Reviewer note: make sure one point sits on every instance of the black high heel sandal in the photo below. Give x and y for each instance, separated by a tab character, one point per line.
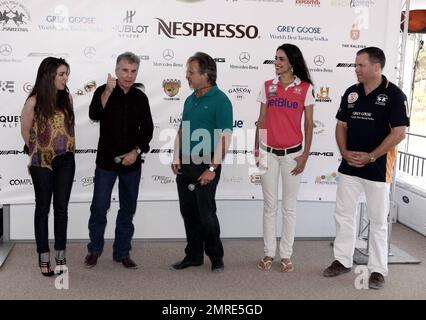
60	263
45	266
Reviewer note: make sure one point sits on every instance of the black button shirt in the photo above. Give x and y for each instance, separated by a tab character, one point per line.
125	123
369	119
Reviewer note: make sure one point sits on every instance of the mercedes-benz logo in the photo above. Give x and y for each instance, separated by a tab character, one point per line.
5	49
244	57
89	52
319	60
168	54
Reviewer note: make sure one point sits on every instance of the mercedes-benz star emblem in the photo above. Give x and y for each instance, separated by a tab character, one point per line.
5	49
89	52
244	57
168	54
319	60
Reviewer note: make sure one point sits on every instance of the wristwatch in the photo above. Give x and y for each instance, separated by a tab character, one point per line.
372	158
138	150
212	169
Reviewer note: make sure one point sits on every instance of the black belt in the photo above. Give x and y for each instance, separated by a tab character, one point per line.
282	152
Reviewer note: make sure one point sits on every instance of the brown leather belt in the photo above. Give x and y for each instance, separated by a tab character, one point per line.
281	152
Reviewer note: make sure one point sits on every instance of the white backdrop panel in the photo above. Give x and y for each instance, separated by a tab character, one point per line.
90	36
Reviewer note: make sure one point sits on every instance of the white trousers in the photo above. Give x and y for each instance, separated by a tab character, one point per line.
377	198
277	166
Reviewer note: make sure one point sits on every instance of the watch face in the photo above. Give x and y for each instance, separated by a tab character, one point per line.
211	169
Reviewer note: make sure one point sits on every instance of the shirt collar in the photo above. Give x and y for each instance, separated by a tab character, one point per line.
383	85
212	91
296	81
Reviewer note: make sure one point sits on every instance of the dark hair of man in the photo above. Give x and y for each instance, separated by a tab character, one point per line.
48	98
296	60
130	57
206	65
375	55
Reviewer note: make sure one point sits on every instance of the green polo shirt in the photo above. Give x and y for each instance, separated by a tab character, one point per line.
203	119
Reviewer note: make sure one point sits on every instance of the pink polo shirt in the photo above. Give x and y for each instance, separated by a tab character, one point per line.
284	110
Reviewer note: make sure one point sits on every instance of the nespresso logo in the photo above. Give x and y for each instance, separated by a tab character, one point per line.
173	29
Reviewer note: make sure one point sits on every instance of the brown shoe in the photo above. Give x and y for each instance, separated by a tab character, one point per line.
376	281
91	260
335	269
129	263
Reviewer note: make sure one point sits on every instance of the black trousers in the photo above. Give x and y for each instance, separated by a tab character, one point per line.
198	209
57	182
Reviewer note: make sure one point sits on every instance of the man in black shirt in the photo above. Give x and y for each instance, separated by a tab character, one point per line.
125	132
371	122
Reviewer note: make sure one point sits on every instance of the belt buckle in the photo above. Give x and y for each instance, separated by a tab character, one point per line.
279	152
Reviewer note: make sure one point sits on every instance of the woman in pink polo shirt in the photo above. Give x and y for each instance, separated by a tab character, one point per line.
279	149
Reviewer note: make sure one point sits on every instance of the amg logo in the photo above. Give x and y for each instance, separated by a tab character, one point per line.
7	152
219	60
346	65
268	62
162	151
85	150
322	154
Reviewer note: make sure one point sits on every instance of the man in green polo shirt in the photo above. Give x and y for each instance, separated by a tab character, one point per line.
200	146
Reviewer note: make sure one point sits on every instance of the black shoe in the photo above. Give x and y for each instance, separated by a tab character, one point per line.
376	281
44	264
61	264
335	269
217	266
45	269
128	263
91	260
185	263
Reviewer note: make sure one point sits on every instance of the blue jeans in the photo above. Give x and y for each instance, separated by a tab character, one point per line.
128	189
57	182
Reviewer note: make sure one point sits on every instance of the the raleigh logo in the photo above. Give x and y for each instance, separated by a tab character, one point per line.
219	30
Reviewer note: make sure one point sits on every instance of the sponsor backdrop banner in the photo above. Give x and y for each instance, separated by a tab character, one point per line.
242	35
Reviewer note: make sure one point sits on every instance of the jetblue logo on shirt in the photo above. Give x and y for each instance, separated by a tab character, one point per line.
381	100
280	102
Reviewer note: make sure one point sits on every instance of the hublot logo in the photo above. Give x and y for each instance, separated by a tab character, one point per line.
128	29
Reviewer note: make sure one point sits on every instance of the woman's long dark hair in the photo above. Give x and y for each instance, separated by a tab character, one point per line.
48	98
295	57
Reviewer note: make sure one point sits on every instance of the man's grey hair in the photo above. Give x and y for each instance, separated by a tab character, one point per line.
129	57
